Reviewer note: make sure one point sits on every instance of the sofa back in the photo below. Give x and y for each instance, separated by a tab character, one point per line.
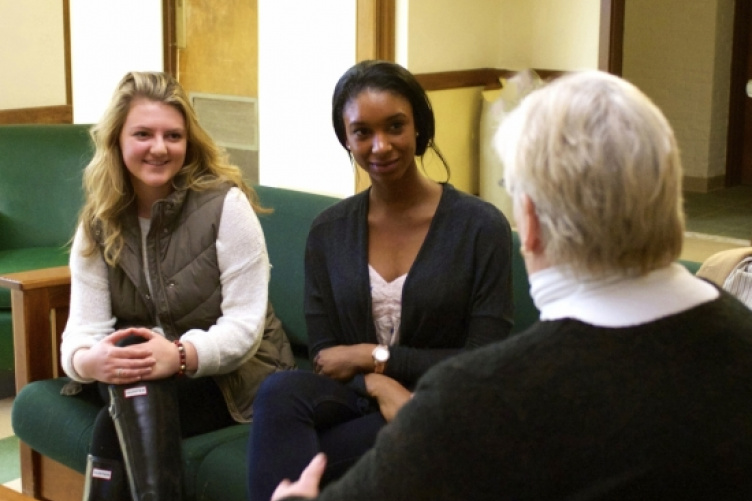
286	231
40	183
525	312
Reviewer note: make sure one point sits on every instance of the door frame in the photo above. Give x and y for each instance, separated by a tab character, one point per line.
169	37
740	54
611	36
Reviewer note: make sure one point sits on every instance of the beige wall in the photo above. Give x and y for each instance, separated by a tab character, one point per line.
679	53
32	56
549	34
445	35
457	115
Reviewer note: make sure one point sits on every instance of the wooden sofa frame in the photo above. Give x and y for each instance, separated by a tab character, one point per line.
39	302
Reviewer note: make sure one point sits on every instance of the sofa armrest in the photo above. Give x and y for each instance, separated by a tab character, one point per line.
39	303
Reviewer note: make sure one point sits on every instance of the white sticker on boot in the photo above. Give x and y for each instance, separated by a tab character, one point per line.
136	391
101	474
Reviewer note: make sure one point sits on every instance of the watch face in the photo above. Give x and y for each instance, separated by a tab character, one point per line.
381	354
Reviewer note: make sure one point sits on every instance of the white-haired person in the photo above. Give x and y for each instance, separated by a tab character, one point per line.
634	384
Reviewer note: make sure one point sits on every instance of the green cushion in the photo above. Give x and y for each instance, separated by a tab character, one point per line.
55	425
197	449
692	266
223	474
14	260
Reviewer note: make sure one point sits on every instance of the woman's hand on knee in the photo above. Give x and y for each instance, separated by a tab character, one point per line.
167	356
107	362
343	362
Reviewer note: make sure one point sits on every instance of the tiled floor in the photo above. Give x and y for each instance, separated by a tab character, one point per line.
715	221
725	213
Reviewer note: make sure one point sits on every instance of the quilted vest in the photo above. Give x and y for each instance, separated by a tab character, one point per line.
182	262
184	271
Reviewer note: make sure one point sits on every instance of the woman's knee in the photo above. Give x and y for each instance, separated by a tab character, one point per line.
282	388
296	392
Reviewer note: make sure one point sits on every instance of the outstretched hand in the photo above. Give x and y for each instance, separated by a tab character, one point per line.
307	486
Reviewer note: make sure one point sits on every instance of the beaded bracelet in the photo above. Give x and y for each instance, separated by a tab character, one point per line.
181	352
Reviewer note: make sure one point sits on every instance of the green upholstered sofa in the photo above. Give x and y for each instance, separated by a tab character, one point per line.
55	430
40	194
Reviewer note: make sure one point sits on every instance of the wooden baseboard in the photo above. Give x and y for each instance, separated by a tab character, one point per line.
487	78
696	184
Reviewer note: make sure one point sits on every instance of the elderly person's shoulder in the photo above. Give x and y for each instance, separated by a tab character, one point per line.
513	355
552	348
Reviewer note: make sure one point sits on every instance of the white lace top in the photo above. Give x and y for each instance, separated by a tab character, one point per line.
386	306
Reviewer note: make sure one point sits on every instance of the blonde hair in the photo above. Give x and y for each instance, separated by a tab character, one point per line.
107	186
600	163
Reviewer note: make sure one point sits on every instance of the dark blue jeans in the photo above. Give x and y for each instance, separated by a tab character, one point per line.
297	414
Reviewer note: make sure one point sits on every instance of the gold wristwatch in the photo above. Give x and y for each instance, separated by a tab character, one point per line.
380	357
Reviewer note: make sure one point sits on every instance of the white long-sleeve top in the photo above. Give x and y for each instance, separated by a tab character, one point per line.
244	277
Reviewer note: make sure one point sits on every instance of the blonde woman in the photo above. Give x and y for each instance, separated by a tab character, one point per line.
169	301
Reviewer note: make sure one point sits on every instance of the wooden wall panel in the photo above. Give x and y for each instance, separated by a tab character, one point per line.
62	114
221	52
